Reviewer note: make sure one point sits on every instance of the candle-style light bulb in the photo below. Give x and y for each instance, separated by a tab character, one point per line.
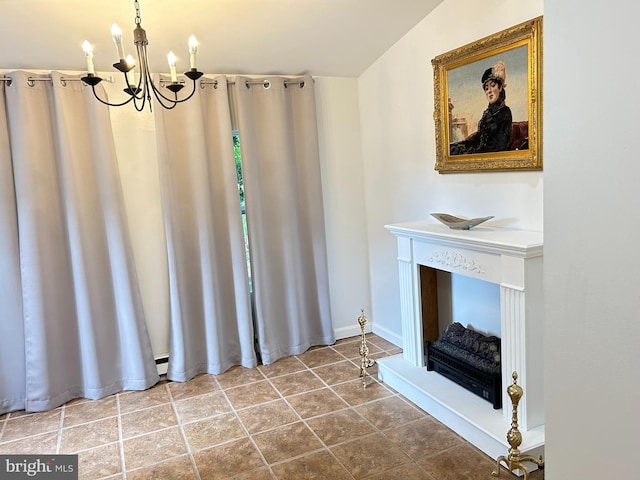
88	53
131	76
172	65
193	48
116	34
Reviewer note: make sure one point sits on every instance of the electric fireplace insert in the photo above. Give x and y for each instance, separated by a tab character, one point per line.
470	359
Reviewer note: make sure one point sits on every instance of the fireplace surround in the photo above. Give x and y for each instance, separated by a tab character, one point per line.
513	260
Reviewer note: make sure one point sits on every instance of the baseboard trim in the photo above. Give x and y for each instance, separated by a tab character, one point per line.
350	331
388	335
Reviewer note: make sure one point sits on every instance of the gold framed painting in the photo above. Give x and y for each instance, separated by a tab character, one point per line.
488	103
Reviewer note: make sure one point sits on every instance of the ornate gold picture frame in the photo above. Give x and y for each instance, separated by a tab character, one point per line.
488	103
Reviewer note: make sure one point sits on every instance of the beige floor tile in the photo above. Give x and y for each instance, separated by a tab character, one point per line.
237	375
228	460
20	413
198	385
79	400
208	405
338	372
368	455
317	402
390	412
99	462
153	448
89	435
282	367
372	369
36	444
339	427
213	431
423	437
354	393
319	465
352	350
320	356
346	340
286	442
267	416
408	471
148	420
245	424
252	394
132	401
461	462
381	343
89	410
179	468
33	424
259	474
295	383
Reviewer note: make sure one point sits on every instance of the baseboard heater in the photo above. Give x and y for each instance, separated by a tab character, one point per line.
162	364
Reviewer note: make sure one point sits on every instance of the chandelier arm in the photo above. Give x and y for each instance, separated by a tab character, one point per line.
162	99
93	88
133	90
141	106
172	101
140	102
193	90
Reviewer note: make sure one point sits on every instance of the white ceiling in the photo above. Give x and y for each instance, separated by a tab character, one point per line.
292	37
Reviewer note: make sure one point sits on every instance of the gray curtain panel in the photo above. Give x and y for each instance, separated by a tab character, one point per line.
12	361
74	314
211	324
285	216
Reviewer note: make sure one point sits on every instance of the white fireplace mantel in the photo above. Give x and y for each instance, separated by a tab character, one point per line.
510	258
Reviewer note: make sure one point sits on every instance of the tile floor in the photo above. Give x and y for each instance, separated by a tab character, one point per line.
303	417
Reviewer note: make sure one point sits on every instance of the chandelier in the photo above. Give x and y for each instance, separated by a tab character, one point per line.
139	92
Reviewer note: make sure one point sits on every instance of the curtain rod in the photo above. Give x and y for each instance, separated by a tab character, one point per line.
47	78
110	79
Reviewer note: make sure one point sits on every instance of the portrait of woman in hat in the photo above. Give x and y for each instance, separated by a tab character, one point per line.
494	127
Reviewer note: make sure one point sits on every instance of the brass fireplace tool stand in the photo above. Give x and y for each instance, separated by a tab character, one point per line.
364	350
514	460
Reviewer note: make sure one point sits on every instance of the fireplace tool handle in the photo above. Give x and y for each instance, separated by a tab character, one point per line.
514	460
364	350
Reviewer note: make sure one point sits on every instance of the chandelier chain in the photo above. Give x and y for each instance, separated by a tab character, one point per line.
137	7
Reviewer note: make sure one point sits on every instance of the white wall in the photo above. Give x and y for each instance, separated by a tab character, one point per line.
591	200
341	157
343	190
398	135
591	261
134	134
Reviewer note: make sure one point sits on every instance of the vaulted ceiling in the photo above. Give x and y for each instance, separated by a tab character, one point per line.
316	37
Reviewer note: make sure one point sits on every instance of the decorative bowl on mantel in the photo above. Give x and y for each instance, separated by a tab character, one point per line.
457	223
